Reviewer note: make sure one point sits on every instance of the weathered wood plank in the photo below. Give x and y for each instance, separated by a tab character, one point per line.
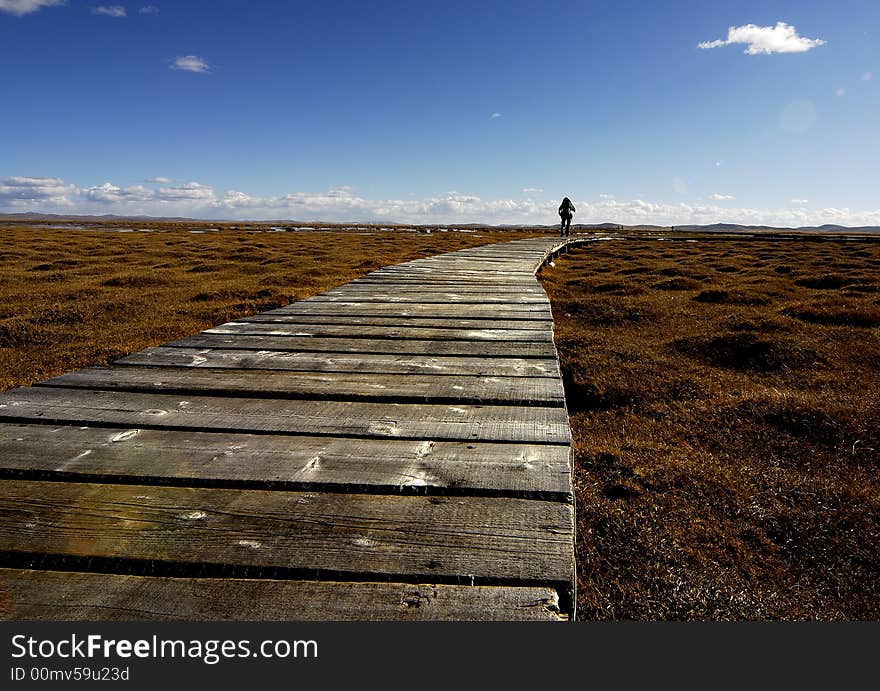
421	421
479	540
477	324
29	595
344	362
449	282
348	386
499	278
459	269
500	312
376	346
425	298
410	289
257	461
533	331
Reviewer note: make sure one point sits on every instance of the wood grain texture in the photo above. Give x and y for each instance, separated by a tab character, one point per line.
321	535
367	309
446	331
348	386
354	289
429	298
375	346
264	461
344	362
421	421
397	323
28	595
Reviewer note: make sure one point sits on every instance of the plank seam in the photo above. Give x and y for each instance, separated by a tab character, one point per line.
169	568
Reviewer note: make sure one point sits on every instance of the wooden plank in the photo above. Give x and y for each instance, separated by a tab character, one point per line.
531	331
260	461
531	287
498	251
308	535
516	261
349	386
434	289
425	274
312	344
421	421
343	362
430	298
29	595
450	282
461	269
434	323
475	265
500	312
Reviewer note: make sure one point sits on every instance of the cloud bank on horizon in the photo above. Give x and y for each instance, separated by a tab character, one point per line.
341	204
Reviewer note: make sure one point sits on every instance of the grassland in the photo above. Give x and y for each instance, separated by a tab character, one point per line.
70	298
725	405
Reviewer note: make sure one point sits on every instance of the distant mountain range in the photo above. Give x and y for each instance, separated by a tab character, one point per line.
712	228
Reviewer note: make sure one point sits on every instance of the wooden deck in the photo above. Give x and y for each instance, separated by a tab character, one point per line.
395	448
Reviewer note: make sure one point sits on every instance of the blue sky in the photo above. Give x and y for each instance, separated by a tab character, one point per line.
443	111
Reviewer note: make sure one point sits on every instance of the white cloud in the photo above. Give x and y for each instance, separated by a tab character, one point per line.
30	191
110	193
782	38
22	7
606	196
159	180
234	199
495	116
721	197
800	201
109	10
187	192
191	63
867	76
198	200
532	190
840	92
148	9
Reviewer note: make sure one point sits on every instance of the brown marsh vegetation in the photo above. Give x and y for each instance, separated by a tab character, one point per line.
70	298
725	405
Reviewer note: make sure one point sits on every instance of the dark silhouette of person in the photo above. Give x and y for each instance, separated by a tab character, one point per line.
566	211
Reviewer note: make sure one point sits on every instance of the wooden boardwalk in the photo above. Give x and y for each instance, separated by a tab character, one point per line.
395	448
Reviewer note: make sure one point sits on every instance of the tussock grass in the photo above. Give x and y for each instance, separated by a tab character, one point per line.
727	442
836	312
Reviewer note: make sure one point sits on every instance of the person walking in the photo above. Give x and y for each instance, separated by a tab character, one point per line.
566	211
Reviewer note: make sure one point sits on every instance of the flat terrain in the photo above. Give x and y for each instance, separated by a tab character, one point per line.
724	393
71	298
725	406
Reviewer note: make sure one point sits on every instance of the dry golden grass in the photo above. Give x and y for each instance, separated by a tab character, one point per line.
69	299
725	404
